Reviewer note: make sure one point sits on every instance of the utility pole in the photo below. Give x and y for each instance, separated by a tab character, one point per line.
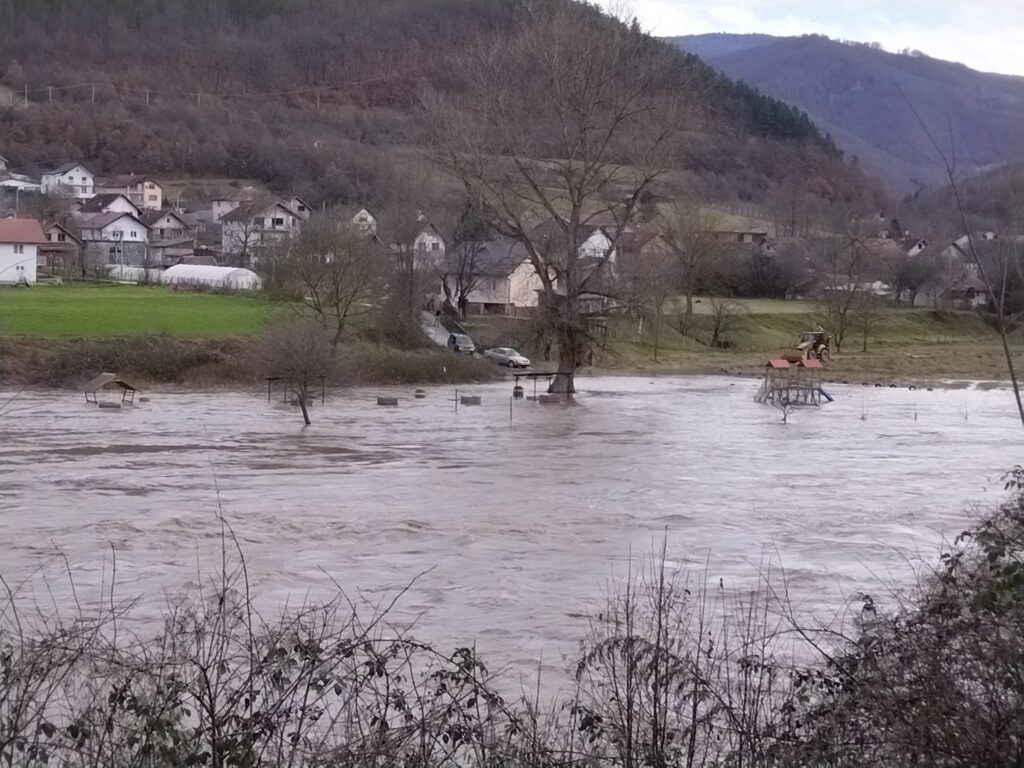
318	101
26	94
94	93
49	91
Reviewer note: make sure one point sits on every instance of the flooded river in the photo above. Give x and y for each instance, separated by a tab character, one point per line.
513	528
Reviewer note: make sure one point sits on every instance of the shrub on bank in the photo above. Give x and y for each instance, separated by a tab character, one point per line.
201	363
366	364
673	671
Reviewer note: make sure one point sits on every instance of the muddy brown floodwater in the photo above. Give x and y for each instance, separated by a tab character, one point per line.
515	528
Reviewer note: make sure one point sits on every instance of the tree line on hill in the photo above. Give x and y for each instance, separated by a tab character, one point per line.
322	98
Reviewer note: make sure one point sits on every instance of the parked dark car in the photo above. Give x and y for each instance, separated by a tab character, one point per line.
461	344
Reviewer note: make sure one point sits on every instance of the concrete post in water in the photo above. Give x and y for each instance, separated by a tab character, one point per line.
388	401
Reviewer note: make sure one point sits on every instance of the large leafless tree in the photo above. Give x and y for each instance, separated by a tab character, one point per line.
697	244
995	274
572	119
330	271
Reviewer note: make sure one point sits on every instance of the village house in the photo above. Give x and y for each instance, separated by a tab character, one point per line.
19	182
3	165
300	206
62	253
953	289
641	248
171	237
596	241
255	226
71	180
113	238
429	242
210	211
10	98
504	281
19	250
107	202
364	222
166	225
143	191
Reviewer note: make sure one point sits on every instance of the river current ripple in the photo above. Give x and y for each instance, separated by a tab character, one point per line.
511	531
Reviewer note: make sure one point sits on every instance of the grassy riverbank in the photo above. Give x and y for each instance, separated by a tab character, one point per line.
904	345
55	334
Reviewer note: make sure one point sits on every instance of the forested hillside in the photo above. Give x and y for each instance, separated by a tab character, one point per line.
863	95
321	96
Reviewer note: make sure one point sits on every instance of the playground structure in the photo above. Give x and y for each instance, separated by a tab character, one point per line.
813	345
789	384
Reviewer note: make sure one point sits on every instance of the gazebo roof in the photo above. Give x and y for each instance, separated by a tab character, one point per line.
104	379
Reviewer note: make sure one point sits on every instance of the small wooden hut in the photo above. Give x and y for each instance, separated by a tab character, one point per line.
108	381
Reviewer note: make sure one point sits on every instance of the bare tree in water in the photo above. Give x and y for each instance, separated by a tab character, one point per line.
302	356
573	119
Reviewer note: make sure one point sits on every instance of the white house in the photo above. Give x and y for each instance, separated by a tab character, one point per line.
71	179
599	245
502	278
251	227
143	191
108	202
19	250
3	165
300	206
166	225
112	238
221	207
365	222
113	227
429	242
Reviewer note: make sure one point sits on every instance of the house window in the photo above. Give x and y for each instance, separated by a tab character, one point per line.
152	198
61	237
118	234
435	246
277	222
131	234
19	250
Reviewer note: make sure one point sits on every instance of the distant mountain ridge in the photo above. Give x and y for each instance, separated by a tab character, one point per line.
860	93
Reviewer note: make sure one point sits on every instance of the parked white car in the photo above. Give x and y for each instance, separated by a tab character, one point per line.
507	356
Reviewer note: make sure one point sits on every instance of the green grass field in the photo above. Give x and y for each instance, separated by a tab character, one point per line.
88	311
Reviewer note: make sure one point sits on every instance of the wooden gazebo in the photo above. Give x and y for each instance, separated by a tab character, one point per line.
111	381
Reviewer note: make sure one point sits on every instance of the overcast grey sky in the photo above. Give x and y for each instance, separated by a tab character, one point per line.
983	34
